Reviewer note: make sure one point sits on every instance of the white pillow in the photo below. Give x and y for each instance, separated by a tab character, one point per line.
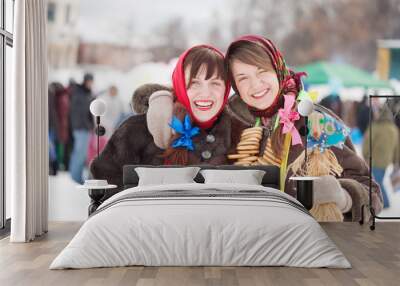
248	177
166	176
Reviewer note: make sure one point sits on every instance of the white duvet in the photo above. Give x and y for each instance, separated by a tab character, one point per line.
183	231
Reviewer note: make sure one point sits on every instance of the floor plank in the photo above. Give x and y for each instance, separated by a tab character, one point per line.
374	255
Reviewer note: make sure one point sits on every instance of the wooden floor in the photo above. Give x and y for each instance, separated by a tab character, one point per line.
375	257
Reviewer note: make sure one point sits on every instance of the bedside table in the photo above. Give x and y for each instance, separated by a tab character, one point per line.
96	193
305	192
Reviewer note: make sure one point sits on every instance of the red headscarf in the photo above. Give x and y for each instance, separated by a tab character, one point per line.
289	81
179	84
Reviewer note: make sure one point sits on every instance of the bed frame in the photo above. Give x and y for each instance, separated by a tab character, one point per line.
270	179
131	179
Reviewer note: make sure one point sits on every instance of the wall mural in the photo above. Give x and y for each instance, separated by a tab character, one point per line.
195	122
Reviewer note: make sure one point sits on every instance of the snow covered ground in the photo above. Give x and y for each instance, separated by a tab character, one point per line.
66	201
394	197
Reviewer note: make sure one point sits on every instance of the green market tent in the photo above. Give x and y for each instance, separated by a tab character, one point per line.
320	73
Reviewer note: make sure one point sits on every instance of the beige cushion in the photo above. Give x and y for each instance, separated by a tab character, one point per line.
166	176
248	177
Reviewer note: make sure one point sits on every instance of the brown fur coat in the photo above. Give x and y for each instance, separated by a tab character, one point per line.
355	176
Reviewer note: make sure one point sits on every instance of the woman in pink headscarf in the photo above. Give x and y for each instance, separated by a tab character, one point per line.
266	98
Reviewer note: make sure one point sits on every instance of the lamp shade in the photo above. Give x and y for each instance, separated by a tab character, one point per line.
98	107
305	107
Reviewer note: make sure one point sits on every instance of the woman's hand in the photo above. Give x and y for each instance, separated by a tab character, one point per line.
159	115
327	189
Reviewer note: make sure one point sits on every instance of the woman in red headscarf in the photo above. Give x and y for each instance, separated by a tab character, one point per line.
266	99
200	89
199	130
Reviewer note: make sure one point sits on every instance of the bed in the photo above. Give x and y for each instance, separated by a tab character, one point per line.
201	224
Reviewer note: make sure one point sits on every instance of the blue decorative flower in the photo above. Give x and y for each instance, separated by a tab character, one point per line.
186	130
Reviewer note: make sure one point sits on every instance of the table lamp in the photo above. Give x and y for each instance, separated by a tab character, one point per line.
98	108
304	185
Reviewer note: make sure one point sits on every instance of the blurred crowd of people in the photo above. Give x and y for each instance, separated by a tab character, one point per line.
72	141
385	134
384	131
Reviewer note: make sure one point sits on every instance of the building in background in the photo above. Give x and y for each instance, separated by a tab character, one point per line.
63	33
67	50
122	58
388	59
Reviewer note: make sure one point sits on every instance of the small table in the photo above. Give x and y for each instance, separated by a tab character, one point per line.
305	192
96	193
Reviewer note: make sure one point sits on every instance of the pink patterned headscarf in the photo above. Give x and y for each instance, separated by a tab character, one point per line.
289	86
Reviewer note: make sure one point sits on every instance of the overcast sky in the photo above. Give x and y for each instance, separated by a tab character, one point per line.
106	20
